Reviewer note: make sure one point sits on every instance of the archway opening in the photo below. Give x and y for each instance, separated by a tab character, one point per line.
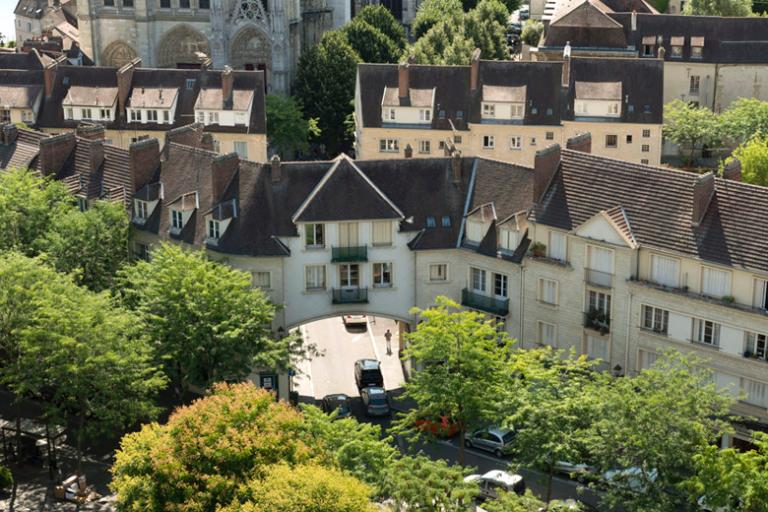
117	54
251	49
182	47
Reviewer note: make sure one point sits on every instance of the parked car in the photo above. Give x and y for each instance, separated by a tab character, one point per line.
375	401
569	505
495	440
368	373
355	321
442	427
494	481
631	477
337	402
574	470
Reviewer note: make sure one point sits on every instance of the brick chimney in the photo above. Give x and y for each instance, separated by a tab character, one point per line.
124	80
565	79
404	78
703	191
732	170
545	165
275	169
10	133
206	142
54	151
456	166
223	169
144	160
96	152
581	142
474	70
188	135
90	131
49	78
227	82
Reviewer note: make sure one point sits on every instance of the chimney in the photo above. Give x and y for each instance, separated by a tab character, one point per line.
732	170
54	151
144	159
188	135
124	80
448	147
274	171
90	131
545	166
565	80
408	151
96	151
456	166
206	142
403	78
49	78
10	133
703	190
634	20
474	71
223	169
581	142
227	81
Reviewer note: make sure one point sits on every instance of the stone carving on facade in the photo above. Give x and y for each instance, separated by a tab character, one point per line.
182	45
117	54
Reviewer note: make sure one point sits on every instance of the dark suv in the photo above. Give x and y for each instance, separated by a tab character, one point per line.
368	373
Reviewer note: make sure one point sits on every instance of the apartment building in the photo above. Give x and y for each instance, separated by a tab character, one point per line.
507	110
616	260
134	103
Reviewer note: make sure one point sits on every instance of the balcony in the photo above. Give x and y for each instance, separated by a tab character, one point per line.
498	307
597	321
349	254
598	278
350	295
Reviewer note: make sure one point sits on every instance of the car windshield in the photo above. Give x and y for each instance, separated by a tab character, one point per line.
507	438
378	400
343	407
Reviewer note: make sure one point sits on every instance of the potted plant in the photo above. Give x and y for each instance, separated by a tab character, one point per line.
538	249
728	299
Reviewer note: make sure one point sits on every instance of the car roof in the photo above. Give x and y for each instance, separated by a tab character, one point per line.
502	477
368	364
336	396
501	432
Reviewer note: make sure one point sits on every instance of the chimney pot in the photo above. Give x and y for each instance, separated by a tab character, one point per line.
90	131
275	171
474	72
10	133
54	151
732	170
227	83
703	190
456	166
545	165
565	79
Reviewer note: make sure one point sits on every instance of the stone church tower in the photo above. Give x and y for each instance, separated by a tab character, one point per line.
245	34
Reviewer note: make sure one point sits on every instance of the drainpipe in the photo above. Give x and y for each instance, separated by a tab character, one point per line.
629	326
714	87
522	308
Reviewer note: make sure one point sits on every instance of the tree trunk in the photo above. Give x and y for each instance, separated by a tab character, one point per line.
462	439
80	428
550	476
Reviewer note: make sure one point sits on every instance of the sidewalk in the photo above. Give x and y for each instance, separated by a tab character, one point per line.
391	368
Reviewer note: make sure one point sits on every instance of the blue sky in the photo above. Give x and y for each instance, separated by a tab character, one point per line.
6	18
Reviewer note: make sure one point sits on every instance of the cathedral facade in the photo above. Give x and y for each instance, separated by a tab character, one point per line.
268	35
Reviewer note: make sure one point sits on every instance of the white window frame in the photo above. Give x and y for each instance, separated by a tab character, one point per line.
177	219
759	396
141	209
699	334
557	252
389	114
757	344
166	116
385	268
760	293
599	300
489	142
694	85
483	275
321	275
213	230
425	114
378	228
489	110
241	148
434	272
660	266
135	115
151	116
311	230
654	319
500	283
256	276
546	288
518	110
389	146
86	113
213	118
425	147
516	143
603	341
69	113
707	286
542	331
509	239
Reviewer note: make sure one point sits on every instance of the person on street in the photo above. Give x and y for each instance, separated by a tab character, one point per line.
388	337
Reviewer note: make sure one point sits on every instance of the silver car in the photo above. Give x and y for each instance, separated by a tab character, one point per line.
495	440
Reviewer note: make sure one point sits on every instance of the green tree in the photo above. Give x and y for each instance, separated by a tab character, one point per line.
91	245
28	206
381	17
86	357
744	119
446	43
718	8
532	31
690	126
511	502
371	43
461	358
486	25
553	407
207	451
325	86
287	129
430	12
303	488
656	422
730	479
210	324
510	5
419	483
753	156
6	478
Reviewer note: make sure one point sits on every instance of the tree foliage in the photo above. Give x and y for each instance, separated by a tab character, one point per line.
445	44
690	126
325	86
371	43
753	156
718	8
532	31
209	322
744	119
287	129
431	12
380	17
512	502
486	26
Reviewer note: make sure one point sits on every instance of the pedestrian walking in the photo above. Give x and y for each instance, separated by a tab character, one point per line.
388	337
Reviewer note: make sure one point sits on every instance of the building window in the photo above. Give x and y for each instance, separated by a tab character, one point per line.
5	115
646	148
695	80
213	229
655	319
136	115
348	234
629	139
518	111
547	334
677	52
509	239
760	293
382	232
556	249
600	259
86	113
611	141
696	52
349	275
644	161
456	139
165	4
599	302
515	142
166	116
184	4
204	4
141	251
446	221
756	392
106	113
715	283
431	222
755	345
107	3
140	210
646	133
201	117
533	141
213	118
438	272
190	83
665	271
477	278
389	114
314	235
127	3
424	147
425	115
647	359
489	110
388	146
488	142
382	275
550	135
82	203
177	219
501	285
548	291
151	116
315	275
241	148
705	332
69	114
261	280
598	348
648	50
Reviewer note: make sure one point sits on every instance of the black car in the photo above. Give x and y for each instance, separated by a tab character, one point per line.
337	402
368	373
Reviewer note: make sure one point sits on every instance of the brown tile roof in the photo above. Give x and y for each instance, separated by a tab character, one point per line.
154	97
213	99
90	96
503	94
598	90
416	97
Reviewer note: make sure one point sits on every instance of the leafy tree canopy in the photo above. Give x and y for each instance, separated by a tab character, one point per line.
486	26
532	31
446	43
753	156
287	129
371	43
690	126
430	12
381	18
718	8
744	119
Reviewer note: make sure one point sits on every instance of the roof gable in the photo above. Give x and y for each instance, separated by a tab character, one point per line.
363	199
611	226
589	13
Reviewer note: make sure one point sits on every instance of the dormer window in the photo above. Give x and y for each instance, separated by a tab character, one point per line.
489	110
214	230
106	114
598	99
151	116
509	239
649	46
218	219
676	45
140	210
213	118
135	116
82	203
697	46
177	221
389	114
425	115
696	52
